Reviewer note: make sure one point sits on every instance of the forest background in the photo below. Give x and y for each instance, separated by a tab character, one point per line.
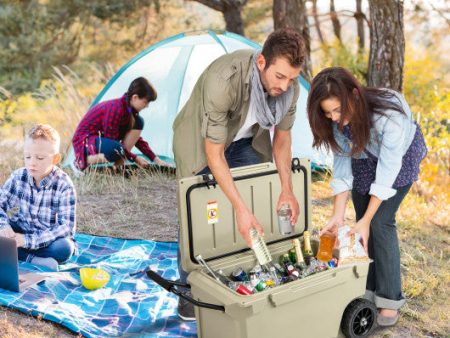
55	57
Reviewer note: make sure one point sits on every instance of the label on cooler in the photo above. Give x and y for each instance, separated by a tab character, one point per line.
212	211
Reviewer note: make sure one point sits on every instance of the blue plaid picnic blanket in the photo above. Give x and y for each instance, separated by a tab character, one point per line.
129	305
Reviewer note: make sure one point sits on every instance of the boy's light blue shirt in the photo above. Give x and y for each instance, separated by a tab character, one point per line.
44	213
390	138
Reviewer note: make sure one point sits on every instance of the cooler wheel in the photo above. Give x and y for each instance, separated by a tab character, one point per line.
359	318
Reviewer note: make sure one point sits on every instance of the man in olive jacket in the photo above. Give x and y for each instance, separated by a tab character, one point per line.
227	120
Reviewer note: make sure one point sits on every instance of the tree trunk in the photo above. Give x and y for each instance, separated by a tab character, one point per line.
231	11
387	44
292	13
233	18
359	16
335	21
317	22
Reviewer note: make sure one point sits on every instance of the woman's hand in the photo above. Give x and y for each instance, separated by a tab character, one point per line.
333	224
363	225
142	162
363	228
160	162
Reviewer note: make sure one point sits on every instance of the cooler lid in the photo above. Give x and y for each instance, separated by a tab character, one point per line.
207	219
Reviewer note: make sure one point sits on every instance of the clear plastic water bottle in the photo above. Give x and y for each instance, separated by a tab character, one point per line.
284	220
259	247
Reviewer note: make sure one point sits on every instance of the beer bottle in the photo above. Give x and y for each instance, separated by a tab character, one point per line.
292	256
307	252
300	263
217	275
284	258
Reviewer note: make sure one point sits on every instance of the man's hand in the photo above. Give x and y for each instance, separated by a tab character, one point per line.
245	221
289	198
142	162
7	231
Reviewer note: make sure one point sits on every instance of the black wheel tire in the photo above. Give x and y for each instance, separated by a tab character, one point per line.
359	319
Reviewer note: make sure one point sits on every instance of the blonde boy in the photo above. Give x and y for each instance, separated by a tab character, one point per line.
37	202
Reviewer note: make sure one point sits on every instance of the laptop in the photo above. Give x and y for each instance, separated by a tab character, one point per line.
11	277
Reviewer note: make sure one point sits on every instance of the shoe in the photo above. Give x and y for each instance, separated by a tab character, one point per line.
186	309
386	321
76	171
47	262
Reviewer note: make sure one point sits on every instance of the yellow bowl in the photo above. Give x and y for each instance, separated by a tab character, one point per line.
93	278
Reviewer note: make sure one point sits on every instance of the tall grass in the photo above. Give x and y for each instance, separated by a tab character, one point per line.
60	102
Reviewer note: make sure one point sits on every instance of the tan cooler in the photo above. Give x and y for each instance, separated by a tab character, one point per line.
310	307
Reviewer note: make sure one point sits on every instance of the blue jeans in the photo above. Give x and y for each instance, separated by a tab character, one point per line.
60	249
238	154
113	149
383	285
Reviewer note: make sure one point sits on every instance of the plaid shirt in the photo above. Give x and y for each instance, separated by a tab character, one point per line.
106	119
43	213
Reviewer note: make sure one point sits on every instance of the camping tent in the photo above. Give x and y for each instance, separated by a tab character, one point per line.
173	66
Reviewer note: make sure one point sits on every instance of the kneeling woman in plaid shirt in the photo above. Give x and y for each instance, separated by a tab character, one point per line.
37	203
110	129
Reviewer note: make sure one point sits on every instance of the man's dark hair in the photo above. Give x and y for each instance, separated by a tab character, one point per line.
286	43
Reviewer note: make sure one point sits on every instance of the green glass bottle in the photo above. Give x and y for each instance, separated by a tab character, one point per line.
307	251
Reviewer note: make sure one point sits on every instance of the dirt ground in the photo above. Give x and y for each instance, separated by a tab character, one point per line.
143	206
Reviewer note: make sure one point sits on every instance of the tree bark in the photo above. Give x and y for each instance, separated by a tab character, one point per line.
292	13
359	16
231	11
387	44
317	22
335	21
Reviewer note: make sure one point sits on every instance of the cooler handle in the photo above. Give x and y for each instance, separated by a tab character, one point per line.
296	292
171	286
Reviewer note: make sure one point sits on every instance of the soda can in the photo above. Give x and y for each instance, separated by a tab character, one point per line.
257	269
333	263
261	286
270	283
292	271
240	275
243	290
284	279
254	279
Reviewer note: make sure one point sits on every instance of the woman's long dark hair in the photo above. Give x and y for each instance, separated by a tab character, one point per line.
143	89
358	105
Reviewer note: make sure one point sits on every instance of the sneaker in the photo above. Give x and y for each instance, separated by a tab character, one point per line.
185	309
386	321
76	171
47	262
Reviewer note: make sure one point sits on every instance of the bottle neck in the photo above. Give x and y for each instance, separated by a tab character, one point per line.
307	241
298	251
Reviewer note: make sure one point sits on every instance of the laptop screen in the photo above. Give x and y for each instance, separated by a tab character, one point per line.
9	272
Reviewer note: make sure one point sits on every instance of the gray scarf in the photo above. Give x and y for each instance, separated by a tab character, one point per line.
269	110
